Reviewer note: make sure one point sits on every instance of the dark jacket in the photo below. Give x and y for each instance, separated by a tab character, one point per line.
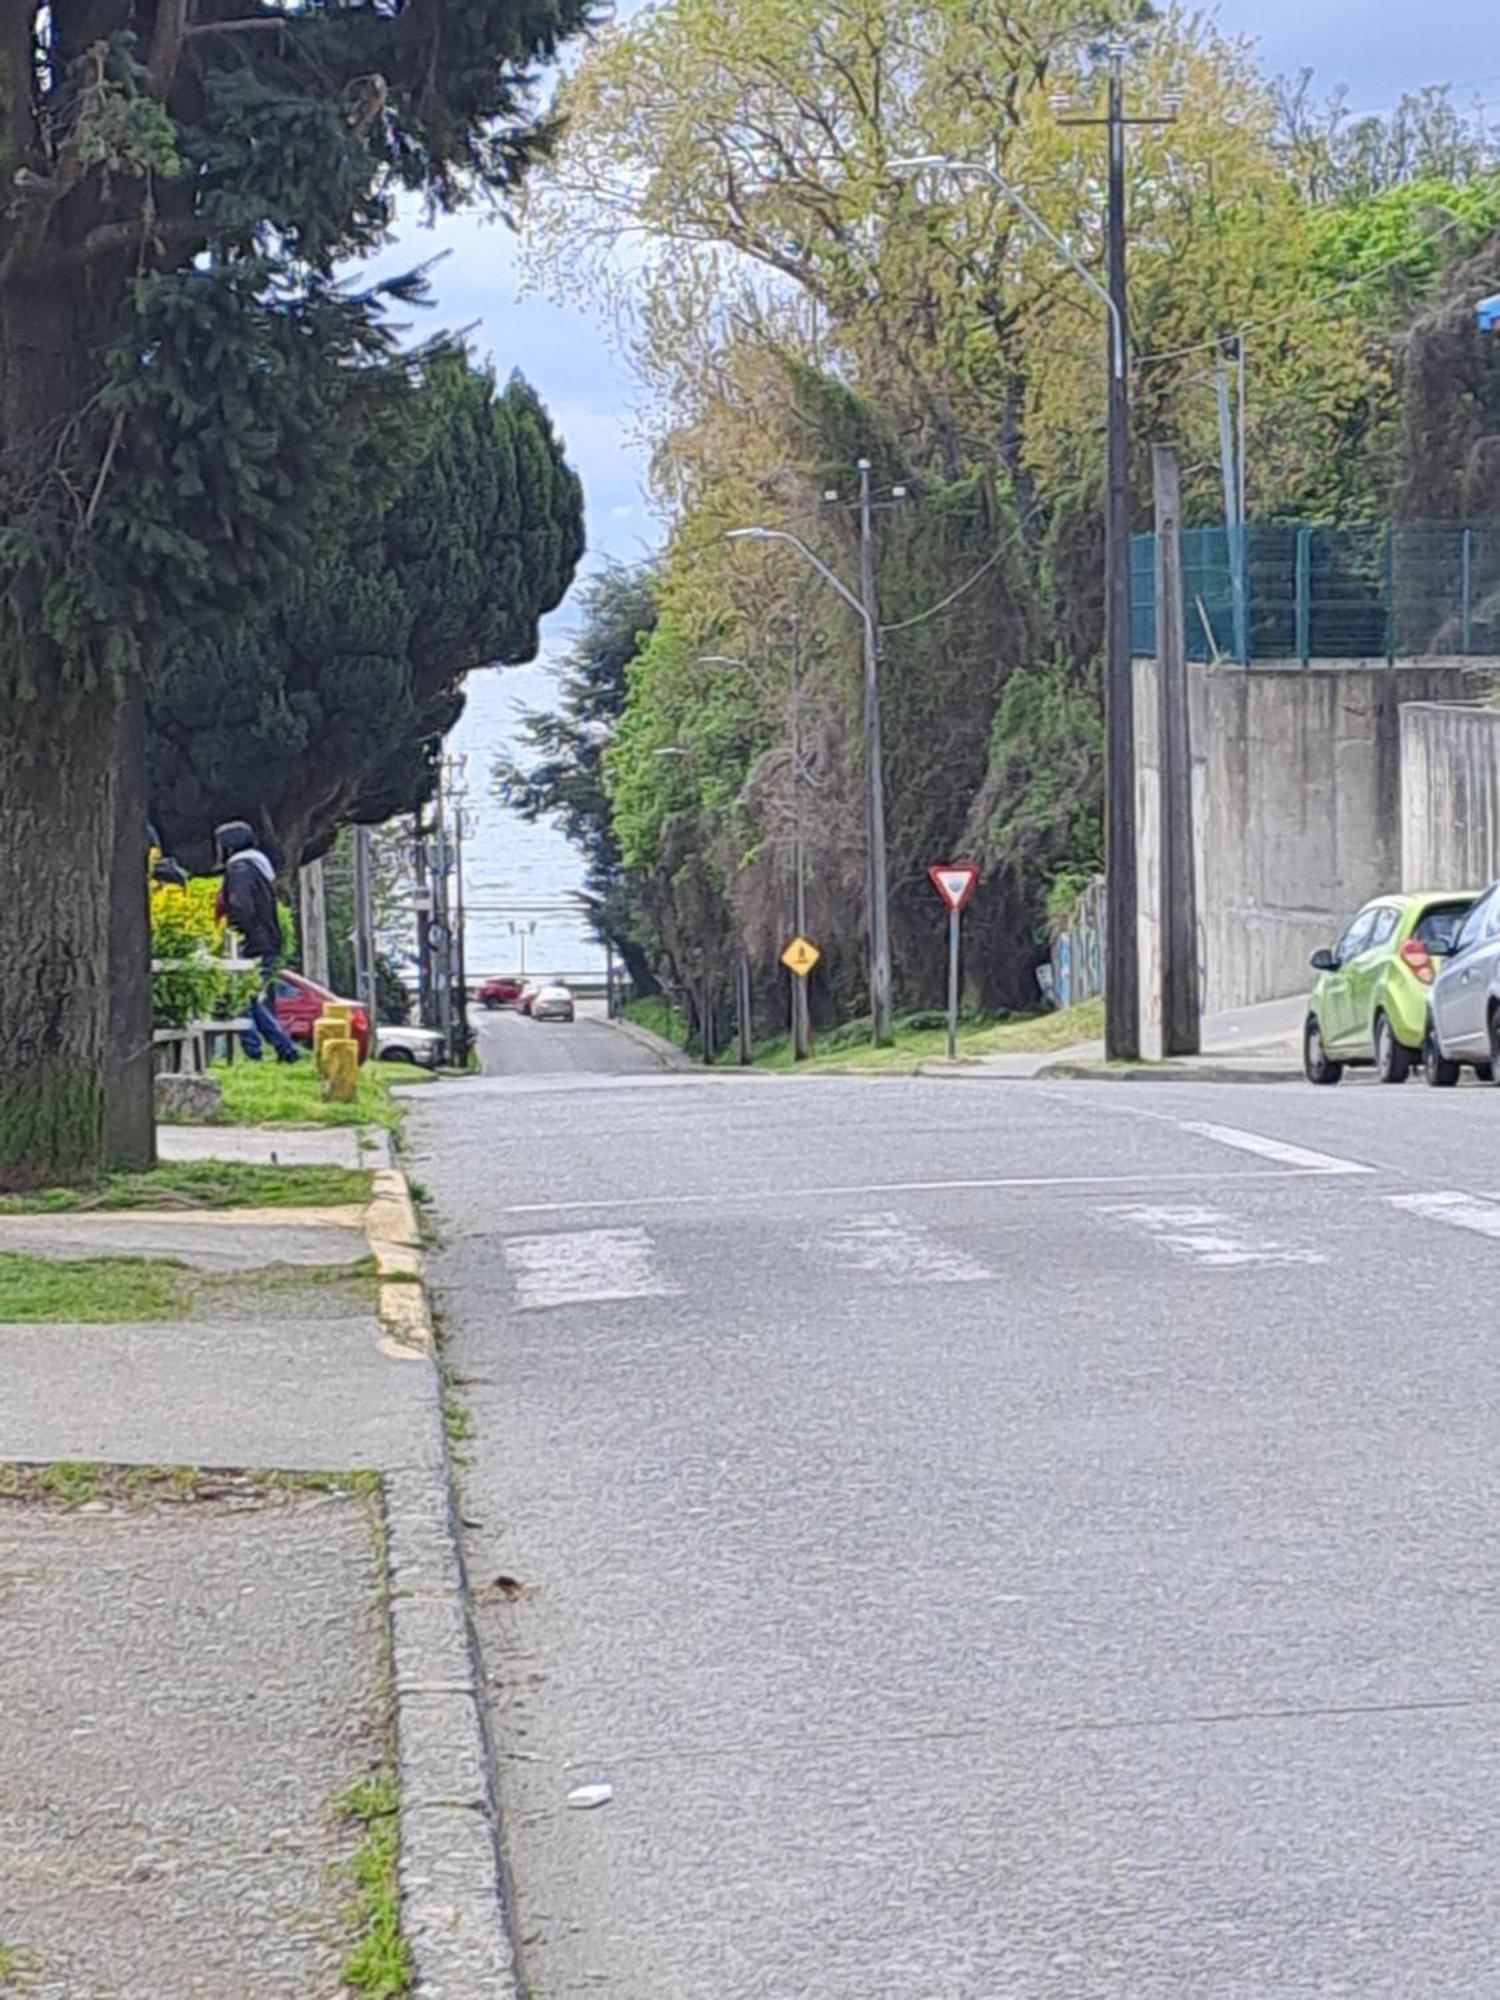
249	903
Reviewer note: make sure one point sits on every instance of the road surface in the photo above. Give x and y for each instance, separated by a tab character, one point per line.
997	1540
511	1045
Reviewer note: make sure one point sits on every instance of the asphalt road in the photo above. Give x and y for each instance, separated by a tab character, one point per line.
511	1045
997	1539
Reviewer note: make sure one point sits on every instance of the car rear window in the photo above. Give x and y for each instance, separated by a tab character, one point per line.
1439	927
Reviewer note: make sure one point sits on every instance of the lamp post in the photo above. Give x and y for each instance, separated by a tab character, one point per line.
1122	977
862	605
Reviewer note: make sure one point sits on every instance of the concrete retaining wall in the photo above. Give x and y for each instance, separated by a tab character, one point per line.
1297	809
1450	796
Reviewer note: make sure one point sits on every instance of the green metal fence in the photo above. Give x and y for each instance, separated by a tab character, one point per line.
1289	591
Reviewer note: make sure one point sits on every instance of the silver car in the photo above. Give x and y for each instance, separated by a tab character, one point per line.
553	1003
1463	1013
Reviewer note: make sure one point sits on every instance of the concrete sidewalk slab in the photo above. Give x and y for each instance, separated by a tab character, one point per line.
276	1145
302	1395
206	1239
187	1690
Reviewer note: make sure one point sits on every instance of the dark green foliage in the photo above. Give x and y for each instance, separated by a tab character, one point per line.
328	707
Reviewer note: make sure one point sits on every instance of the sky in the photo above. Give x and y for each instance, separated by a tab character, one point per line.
1379	48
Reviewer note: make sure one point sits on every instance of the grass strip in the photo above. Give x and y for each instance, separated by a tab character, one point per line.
203	1184
91	1291
267	1093
378	1966
67	1483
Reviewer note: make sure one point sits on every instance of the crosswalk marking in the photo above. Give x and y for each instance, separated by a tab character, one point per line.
584	1267
1210	1237
1463	1211
887	1246
1273	1149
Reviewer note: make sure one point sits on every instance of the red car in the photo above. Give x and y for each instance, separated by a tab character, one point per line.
299	1002
499	993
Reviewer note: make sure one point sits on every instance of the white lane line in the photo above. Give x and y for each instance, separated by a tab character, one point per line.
738	1197
1463	1211
1274	1149
1209	1237
583	1267
900	1252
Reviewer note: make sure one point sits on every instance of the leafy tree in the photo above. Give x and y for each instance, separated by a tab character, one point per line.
564	777
184	391
327	708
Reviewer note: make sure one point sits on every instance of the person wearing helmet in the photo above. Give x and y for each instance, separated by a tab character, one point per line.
247	903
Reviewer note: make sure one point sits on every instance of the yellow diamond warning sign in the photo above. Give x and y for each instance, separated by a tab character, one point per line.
800	956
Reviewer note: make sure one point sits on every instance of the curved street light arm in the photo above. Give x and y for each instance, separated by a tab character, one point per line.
795	541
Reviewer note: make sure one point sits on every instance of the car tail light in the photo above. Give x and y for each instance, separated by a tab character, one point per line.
1419	959
359	1021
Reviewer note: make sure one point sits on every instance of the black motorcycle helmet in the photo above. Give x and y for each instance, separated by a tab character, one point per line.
232	838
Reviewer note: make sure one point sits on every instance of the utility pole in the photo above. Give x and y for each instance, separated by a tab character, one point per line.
800	1022
312	917
1177	924
364	924
462	829
426	1010
880	919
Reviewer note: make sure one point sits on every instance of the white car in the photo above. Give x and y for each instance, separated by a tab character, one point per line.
421	1046
552	1003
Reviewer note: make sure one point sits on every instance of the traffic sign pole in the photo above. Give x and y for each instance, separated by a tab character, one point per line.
952	984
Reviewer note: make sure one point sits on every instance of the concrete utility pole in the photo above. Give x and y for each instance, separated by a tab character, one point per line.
1178	920
313	921
364	924
880	910
801	1023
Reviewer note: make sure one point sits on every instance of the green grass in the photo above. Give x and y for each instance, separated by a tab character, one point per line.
69	1483
17	1965
267	1093
378	1966
203	1184
846	1049
91	1292
660	1016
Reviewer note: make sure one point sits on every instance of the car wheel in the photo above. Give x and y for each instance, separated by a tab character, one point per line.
1317	1065
492	1006
1392	1058
1493	1065
397	1056
1437	1069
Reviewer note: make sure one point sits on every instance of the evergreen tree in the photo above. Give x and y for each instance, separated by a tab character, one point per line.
185	390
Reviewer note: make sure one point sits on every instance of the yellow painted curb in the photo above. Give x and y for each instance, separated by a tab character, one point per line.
395	1240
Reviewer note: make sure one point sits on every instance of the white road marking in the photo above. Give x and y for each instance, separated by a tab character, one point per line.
583	1267
738	1197
889	1247
1210	1237
1274	1149
1463	1211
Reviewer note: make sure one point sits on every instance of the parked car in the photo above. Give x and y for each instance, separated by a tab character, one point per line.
1463	1008
499	993
552	1003
527	995
1370	1003
422	1046
300	1001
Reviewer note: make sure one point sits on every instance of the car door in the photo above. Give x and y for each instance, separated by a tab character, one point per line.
1337	1007
1363	974
1461	988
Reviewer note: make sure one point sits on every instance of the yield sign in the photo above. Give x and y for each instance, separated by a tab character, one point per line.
800	956
954	882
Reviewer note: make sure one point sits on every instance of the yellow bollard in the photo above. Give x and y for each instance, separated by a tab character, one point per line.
324	1032
338	1010
340	1069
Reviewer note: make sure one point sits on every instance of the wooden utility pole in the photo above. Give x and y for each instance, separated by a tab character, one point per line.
1178	920
313	915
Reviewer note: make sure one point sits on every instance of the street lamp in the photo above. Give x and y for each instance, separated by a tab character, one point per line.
862	605
1122	980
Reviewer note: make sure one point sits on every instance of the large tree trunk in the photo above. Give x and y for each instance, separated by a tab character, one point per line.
57	842
129	1080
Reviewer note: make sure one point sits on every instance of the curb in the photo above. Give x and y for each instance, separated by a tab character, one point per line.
1166	1072
454	1905
667	1053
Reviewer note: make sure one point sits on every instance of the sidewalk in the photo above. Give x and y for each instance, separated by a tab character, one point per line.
1260	1044
194	1670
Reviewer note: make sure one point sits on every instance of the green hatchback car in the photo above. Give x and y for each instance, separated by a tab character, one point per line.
1370	1002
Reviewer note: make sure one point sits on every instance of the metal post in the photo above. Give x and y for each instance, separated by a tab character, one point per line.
880	940
1233	507
1467	584
1390	593
441	932
609	980
364	924
1122	991
800	1022
1178	916
313	920
952	985
1303	637
464	1037
706	1018
426	1012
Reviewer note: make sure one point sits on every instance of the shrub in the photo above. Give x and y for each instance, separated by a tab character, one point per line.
186	937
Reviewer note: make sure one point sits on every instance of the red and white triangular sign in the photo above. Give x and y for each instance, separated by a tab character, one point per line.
954	882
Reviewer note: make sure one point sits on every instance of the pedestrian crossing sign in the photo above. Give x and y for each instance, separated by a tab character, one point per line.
800	956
